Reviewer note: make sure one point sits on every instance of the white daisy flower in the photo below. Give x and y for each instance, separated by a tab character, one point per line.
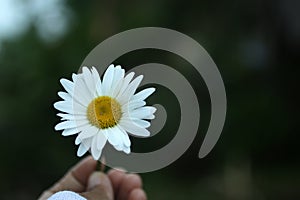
100	111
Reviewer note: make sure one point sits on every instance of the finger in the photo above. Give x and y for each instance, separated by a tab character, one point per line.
99	187
129	183
137	194
84	169
75	180
116	178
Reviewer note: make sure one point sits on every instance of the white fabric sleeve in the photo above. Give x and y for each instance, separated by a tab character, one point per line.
66	195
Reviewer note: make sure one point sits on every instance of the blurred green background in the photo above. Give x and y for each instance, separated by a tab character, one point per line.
254	43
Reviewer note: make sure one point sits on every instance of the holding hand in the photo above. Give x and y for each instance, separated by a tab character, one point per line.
94	185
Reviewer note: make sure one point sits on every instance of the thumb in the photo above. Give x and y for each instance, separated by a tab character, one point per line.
98	187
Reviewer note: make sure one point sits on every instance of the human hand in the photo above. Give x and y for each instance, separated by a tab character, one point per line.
94	185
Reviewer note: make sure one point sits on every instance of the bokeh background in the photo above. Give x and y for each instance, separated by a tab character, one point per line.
254	43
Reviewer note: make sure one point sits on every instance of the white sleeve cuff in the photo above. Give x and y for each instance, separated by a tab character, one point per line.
66	195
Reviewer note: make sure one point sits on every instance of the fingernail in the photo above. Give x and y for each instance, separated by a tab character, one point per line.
120	169
96	179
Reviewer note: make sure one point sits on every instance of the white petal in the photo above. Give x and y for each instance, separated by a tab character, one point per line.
82	100
141	123
71	124
71	116
68	85
97	82
130	90
77	140
66	116
130	127
119	73
70	131
65	96
88	131
149	117
61	106
95	75
125	137
125	83
74	77
104	132
101	140
81	92
65	125
107	79
82	149
122	148
143	112
96	153
119	147
68	107
81	123
99	88
117	89
89	81
142	95
118	77
114	136
131	105
126	150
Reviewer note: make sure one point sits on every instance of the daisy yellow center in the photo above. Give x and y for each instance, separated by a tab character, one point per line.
104	112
